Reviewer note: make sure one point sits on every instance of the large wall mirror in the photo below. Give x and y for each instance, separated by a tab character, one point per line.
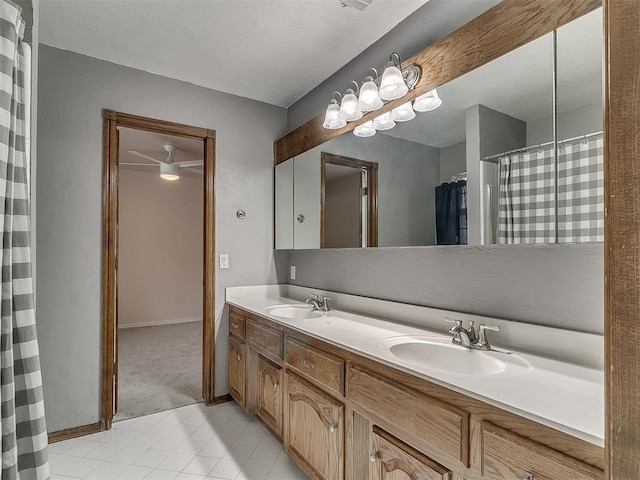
513	155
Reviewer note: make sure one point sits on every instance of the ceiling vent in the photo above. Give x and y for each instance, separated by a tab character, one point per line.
357	4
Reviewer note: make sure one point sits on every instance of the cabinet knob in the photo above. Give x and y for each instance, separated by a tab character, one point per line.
275	385
527	476
307	364
332	428
373	457
239	358
234	325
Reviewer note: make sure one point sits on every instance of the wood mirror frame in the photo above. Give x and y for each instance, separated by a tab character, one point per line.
503	28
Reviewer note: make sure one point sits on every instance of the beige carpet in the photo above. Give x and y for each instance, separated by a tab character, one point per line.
160	368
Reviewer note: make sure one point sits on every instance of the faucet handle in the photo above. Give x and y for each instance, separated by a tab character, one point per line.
315	296
483	343
457	323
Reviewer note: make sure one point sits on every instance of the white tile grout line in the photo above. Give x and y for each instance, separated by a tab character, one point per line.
187	443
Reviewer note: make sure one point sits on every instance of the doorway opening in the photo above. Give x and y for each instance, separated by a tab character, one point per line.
349	202
167	292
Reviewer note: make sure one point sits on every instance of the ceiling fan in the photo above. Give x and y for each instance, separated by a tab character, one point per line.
169	170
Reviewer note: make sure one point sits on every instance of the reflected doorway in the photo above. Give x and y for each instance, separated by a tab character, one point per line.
349	202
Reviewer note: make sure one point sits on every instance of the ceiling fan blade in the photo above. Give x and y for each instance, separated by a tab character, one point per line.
133	152
193	170
190	163
140	164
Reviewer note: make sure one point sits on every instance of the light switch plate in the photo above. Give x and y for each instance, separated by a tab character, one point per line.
293	272
224	261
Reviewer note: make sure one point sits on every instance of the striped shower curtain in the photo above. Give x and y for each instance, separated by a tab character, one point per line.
22	424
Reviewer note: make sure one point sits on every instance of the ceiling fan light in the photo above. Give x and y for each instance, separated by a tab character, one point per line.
331	120
384	122
369	99
169	172
349	108
365	130
392	84
403	113
427	102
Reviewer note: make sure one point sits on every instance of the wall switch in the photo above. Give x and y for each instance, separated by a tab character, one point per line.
293	272
224	261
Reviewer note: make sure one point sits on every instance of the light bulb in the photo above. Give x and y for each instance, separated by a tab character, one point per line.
349	108
403	113
369	98
384	122
331	120
427	102
365	130
392	84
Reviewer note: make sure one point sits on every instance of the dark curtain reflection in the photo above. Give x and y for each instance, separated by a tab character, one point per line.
451	213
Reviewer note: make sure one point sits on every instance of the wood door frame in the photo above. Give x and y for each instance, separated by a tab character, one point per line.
372	194
110	182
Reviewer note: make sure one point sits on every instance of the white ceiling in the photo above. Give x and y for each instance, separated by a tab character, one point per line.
274	51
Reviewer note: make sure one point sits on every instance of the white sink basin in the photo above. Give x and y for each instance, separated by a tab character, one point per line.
293	312
440	355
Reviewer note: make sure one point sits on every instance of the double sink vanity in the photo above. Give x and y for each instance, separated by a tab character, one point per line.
393	392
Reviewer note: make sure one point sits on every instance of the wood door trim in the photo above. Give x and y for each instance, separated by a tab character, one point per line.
110	179
622	238
372	194
74	432
508	25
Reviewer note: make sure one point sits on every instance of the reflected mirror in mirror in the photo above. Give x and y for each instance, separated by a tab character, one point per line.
479	169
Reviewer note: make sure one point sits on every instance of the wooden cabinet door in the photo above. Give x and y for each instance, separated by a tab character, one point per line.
394	460
315	429
270	393
237	365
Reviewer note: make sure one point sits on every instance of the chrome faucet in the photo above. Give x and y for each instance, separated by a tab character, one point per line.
468	338
319	302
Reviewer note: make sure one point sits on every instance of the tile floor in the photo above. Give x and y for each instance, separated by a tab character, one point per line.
189	443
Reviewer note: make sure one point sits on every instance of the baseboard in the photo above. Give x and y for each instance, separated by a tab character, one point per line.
160	322
221	399
74	432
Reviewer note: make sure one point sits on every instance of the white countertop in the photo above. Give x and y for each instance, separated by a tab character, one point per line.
565	396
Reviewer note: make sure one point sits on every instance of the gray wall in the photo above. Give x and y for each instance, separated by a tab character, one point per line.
73	90
547	284
453	160
554	285
571	123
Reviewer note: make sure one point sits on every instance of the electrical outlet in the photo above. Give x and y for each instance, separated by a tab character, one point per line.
224	261
293	272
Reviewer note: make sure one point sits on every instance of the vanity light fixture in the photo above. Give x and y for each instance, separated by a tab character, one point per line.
169	171
365	130
349	108
331	120
403	113
427	102
384	122
369	99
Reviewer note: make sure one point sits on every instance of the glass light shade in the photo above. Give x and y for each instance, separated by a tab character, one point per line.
349	108
365	130
384	122
427	102
369	98
392	84
403	113
331	120
169	171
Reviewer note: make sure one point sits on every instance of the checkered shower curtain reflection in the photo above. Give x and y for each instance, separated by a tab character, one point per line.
22	424
526	204
526	201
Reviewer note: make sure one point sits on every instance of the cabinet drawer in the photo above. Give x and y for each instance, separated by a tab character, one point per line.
428	422
320	366
236	325
264	339
508	456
